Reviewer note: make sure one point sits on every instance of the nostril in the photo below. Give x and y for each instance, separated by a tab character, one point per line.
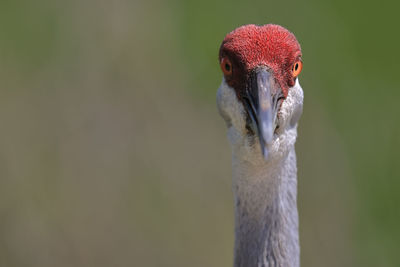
276	129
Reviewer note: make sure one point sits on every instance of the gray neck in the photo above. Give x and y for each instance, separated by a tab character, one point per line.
266	218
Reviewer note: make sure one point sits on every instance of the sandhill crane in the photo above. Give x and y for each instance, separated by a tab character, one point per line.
261	100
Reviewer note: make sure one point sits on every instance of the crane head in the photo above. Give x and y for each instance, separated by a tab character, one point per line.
260	65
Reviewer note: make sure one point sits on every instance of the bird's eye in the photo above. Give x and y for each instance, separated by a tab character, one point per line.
296	69
226	66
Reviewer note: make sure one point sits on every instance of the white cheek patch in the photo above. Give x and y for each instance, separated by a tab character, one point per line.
292	107
234	114
230	108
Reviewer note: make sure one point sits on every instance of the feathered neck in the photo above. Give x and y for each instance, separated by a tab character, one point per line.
266	218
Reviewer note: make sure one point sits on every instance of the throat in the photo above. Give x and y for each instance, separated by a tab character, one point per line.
266	218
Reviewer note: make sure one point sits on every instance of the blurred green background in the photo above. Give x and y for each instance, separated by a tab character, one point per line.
112	152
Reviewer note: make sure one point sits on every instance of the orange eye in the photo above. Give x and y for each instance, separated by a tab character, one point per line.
296	69
226	66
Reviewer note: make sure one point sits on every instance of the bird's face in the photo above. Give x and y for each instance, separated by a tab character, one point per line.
261	65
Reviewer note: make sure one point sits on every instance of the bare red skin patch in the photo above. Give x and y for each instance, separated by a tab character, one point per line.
250	46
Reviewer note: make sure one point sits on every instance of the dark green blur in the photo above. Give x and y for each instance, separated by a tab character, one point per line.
112	152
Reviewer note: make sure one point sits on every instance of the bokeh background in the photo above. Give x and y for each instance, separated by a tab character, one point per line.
112	152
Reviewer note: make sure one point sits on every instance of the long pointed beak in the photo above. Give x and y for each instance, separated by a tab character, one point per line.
263	94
